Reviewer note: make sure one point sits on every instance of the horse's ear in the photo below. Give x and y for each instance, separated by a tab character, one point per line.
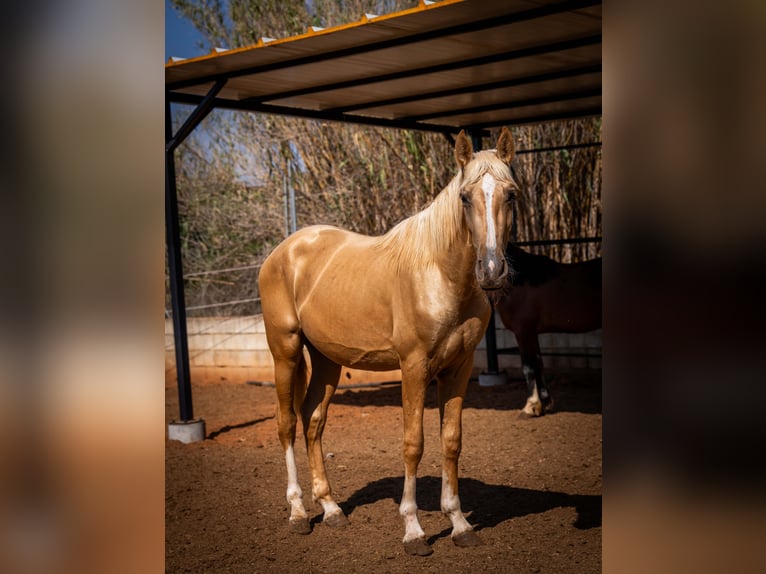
463	149
505	147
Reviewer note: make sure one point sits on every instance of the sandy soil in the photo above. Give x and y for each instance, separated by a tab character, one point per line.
531	488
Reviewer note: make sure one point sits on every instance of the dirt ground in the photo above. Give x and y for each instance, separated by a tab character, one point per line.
531	488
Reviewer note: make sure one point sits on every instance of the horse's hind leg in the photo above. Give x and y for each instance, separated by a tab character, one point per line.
325	376
290	375
545	397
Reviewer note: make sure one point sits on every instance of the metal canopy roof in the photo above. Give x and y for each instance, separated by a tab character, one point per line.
456	64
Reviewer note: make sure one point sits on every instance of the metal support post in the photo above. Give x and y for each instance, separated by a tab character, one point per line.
175	270
187	429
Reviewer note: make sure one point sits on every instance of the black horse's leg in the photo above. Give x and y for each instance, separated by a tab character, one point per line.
538	396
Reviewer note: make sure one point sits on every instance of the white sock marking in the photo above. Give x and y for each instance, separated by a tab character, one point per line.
294	493
409	511
450	503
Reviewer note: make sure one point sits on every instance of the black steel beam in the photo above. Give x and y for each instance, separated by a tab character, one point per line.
486	23
559	241
474	88
566	115
203	108
558	147
175	271
313	114
173	243
325	115
432	69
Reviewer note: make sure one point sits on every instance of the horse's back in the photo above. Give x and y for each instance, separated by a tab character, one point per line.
567	300
331	286
305	250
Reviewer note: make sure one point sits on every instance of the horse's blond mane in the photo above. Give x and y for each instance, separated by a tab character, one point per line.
418	240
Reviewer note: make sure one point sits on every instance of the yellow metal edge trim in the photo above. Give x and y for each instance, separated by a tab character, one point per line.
421	7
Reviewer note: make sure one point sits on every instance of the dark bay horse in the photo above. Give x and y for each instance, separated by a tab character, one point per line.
545	296
412	299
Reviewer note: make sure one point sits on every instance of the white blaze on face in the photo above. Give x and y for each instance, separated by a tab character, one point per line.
488	187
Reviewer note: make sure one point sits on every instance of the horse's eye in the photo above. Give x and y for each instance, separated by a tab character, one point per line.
511	197
465	199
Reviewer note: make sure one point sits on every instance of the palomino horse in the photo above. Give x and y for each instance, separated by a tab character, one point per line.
411	299
547	297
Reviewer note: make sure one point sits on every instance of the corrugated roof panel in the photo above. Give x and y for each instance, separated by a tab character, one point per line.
525	70
388	66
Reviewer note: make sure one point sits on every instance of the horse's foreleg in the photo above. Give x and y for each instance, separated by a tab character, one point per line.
290	375
532	367
452	387
324	380
413	400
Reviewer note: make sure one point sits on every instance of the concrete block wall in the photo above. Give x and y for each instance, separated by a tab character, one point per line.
235	349
576	343
223	348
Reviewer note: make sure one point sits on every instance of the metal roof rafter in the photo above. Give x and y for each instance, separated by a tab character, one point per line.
506	105
569	114
432	69
472	89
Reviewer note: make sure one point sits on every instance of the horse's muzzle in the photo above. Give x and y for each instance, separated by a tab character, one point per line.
491	271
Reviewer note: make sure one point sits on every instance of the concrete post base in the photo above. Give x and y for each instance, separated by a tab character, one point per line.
187	431
492	379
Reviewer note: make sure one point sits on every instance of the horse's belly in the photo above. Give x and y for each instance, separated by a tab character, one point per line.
356	340
569	322
358	358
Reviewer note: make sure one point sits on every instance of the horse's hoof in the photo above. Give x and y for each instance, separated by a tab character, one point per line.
418	547
525	415
337	520
467	538
300	525
549	406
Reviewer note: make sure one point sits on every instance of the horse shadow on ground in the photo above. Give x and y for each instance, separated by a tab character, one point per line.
486	505
229	428
576	392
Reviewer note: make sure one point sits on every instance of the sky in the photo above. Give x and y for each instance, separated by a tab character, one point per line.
181	38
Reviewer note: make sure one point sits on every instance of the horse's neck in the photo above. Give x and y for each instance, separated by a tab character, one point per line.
431	237
458	265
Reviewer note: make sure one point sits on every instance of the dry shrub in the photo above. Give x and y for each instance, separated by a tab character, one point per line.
235	170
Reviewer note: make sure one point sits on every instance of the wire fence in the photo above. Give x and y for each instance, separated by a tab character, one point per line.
221	295
257	299
212	347
224	304
219	271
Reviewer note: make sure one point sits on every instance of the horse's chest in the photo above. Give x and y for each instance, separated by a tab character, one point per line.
455	334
